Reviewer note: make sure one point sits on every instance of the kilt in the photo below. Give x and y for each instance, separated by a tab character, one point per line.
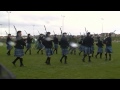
18	52
108	49
100	50
28	46
9	47
49	52
92	48
88	50
64	51
55	46
81	48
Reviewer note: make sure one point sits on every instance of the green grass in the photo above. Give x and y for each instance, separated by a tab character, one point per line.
35	67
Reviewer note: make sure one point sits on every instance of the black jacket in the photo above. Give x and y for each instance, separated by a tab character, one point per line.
64	43
99	43
55	40
29	40
88	41
108	41
81	41
8	40
40	40
20	43
47	44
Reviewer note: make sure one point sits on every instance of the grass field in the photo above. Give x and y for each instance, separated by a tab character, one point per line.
35	67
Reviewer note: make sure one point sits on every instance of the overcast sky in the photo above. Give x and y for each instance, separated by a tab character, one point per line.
71	21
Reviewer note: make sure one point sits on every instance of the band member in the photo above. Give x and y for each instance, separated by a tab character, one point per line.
9	47
100	47
29	42
108	43
40	44
70	40
64	44
48	47
87	50
81	45
73	49
56	42
19	52
92	46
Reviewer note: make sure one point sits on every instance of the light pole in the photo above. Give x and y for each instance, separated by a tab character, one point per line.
102	27
9	21
62	22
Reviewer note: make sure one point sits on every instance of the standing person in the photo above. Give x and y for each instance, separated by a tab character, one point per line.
92	46
9	47
87	49
29	42
48	47
40	44
70	40
55	41
81	45
100	47
73	49
108	49
64	44
19	52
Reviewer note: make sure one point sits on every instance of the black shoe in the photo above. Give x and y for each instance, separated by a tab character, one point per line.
21	65
37	52
89	61
106	59
48	64
13	63
95	56
61	61
65	63
46	61
83	60
8	54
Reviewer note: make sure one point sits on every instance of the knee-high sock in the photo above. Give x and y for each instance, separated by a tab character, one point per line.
21	62
38	50
16	60
84	57
106	55
26	51
30	51
89	58
100	55
109	56
65	59
62	58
